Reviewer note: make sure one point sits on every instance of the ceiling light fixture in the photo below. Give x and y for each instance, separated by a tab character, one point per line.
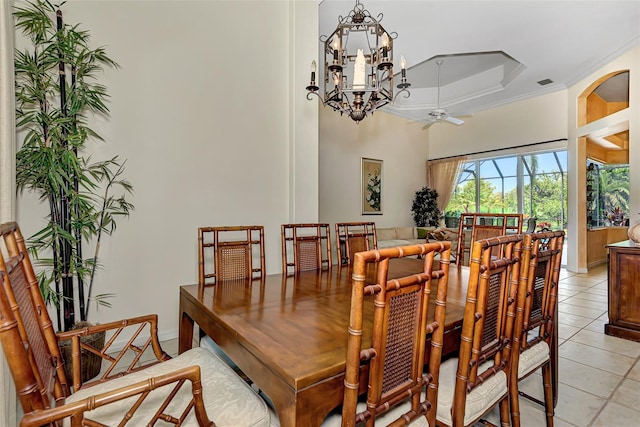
369	59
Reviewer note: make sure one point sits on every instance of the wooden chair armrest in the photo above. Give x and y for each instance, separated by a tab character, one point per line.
75	411
139	332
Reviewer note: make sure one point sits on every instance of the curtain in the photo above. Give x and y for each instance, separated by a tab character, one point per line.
7	177
442	176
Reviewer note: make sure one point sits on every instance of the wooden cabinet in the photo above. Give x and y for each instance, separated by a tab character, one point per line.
624	291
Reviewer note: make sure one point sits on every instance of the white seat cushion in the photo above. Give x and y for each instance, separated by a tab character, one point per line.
480	399
532	358
392	243
228	399
334	419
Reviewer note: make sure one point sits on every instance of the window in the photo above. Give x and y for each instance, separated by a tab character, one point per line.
607	194
533	184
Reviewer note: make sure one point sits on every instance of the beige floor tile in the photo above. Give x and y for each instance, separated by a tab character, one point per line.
576	406
562	297
586	281
574	320
575	287
607	342
587	378
564	273
596	357
580	311
634	374
597	325
567	331
627	394
532	385
587	298
614	415
596	290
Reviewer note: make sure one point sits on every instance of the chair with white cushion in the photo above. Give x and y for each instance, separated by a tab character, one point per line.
535	327
473	383
195	388
394	313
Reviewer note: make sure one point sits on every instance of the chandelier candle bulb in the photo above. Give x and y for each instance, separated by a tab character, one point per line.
403	66
313	72
385	45
359	71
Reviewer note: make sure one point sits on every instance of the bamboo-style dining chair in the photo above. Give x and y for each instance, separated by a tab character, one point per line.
475	381
230	253
352	237
535	319
195	388
398	310
478	226
305	247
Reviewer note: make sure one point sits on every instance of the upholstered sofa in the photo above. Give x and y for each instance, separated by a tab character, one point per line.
401	236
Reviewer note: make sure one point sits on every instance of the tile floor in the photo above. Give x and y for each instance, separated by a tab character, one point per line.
599	375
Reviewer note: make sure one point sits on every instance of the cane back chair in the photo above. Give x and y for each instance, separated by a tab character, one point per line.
352	237
305	247
230	253
400	309
194	388
473	383
478	226
535	327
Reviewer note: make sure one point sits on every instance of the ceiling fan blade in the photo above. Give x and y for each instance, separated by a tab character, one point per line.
454	120
428	125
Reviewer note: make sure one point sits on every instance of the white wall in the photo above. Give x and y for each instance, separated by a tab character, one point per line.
205	109
543	118
403	147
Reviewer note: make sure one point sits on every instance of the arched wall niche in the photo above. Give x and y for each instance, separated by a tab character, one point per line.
605	96
606	140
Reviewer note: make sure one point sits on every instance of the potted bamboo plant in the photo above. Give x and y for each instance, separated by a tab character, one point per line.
57	93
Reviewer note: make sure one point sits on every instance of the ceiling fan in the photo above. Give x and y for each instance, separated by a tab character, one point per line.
441	114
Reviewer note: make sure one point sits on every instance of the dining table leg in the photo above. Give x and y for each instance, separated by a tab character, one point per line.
185	332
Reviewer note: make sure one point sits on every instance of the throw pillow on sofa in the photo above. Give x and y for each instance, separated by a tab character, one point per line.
404	233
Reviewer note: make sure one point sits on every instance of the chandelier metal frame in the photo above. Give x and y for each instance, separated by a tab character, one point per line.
371	84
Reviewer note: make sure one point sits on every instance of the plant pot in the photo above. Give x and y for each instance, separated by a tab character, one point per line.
91	363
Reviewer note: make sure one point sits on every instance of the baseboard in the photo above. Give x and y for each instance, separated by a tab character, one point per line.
162	336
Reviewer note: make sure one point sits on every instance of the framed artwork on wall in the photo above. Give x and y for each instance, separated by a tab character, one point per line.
371	184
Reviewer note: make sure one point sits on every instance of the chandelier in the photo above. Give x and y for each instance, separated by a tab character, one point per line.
358	66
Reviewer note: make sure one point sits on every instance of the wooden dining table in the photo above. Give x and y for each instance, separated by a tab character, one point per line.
288	334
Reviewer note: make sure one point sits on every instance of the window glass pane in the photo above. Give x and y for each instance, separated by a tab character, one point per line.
542	163
488	169
508	166
562	158
463	199
510	200
490	196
